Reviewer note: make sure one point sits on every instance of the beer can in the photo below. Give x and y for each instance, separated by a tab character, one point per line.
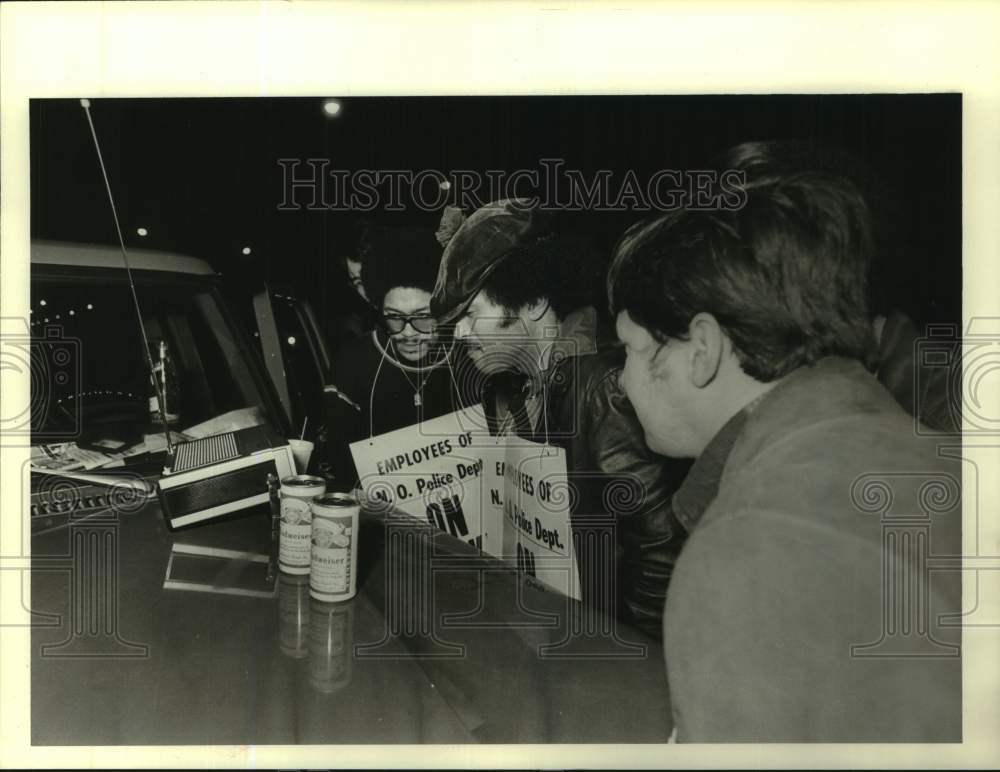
331	645
293	615
333	574
294	545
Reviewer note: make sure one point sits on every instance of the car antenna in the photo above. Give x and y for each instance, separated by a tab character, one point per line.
160	397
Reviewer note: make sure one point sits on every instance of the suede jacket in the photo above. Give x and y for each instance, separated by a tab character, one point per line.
811	601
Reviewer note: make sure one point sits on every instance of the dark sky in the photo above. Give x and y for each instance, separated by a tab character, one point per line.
202	175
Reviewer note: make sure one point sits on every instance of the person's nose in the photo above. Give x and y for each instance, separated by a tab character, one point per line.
463	329
409	332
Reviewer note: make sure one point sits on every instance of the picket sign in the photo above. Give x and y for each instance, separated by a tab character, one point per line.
505	495
538	536
494	453
431	470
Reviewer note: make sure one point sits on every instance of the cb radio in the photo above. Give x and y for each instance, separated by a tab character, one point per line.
213	476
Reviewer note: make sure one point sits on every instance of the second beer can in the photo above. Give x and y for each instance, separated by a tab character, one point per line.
294	547
333	575
331	645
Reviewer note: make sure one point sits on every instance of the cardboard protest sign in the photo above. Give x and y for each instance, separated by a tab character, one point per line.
433	471
505	495
538	534
494	454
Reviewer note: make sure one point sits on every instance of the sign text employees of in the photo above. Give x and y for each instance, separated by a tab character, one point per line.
537	528
430	470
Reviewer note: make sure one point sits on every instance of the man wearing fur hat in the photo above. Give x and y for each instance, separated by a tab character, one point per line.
519	296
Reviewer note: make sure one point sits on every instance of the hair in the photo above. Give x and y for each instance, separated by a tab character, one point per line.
400	257
787	276
763	162
356	240
560	268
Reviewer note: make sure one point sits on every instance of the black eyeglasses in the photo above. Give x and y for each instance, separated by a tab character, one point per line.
396	323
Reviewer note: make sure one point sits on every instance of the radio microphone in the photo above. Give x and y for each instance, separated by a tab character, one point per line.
160	396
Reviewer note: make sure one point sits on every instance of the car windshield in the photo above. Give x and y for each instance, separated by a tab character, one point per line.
94	405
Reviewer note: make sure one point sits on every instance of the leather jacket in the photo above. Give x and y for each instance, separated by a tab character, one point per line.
617	482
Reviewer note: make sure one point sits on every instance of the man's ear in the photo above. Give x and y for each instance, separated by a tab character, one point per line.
707	344
535	311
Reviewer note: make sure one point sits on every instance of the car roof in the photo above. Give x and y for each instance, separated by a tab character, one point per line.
104	256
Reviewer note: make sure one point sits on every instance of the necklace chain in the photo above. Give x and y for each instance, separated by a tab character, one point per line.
417	389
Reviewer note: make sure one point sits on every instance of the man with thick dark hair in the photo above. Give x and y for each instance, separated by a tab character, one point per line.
520	295
404	256
926	392
394	377
748	338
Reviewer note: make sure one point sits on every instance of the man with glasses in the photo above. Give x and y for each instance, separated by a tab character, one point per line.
396	376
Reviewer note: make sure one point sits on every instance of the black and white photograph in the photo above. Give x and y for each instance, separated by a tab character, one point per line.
428	419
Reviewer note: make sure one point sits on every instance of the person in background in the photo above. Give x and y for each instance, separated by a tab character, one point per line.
520	296
929	392
396	376
749	348
353	265
355	314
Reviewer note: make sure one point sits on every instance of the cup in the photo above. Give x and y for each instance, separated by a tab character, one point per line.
302	450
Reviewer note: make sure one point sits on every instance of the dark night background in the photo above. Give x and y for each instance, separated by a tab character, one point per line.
202	174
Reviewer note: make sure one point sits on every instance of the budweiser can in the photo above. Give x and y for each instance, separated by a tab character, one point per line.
331	645
333	575
293	615
296	521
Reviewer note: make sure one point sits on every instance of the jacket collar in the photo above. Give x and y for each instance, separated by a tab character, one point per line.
580	335
826	390
577	335
701	485
830	387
